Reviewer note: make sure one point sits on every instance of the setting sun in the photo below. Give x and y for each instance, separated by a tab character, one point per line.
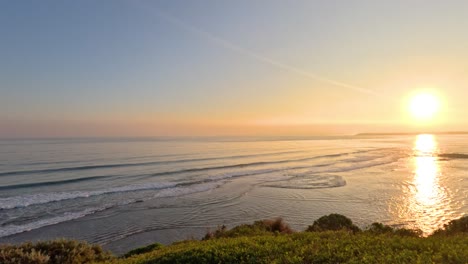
424	106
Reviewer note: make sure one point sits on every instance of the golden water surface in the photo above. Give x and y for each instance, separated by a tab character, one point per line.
427	198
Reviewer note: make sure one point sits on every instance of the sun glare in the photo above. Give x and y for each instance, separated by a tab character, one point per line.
424	106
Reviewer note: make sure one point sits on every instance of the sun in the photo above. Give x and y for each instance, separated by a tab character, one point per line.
424	106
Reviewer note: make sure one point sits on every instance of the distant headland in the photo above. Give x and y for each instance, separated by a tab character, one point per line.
414	133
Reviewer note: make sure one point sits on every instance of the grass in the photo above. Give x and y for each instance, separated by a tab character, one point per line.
144	249
312	247
330	239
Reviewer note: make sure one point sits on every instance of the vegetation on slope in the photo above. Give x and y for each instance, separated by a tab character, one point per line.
53	252
330	239
454	227
312	247
333	222
263	227
145	249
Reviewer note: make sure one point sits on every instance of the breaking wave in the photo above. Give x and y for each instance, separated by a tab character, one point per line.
68	216
309	182
42	198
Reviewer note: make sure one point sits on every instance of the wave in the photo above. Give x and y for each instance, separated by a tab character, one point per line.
245	165
105	166
48	183
118	165
309	182
314	178
43	198
15	229
68	216
363	166
453	156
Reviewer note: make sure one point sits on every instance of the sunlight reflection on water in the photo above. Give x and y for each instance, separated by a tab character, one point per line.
427	200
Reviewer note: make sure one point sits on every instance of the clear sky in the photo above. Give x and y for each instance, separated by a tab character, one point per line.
248	67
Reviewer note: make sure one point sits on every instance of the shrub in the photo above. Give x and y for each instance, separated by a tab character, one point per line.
263	227
52	252
333	222
457	226
219	232
408	232
10	255
275	225
144	249
379	228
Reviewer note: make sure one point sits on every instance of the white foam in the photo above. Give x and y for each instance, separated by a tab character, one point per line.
170	192
15	229
309	182
179	191
227	175
42	198
335	168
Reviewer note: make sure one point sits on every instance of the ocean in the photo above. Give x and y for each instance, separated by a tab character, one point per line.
128	192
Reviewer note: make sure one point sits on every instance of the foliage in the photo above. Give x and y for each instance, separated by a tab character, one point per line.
379	228
271	241
454	227
144	249
333	222
263	227
312	247
51	252
276	225
408	232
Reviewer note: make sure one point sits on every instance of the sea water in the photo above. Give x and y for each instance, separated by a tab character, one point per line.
128	192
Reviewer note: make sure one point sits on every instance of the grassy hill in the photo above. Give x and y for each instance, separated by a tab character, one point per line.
307	247
330	239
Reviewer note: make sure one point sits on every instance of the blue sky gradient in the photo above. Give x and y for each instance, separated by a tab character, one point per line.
226	67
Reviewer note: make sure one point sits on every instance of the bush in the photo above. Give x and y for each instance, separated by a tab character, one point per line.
263	227
379	228
10	255
144	249
457	226
52	252
408	232
333	222
275	225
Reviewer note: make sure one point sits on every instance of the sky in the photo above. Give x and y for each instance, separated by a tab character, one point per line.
247	67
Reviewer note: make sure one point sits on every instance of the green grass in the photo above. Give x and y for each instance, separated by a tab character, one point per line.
312	247
144	249
330	239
